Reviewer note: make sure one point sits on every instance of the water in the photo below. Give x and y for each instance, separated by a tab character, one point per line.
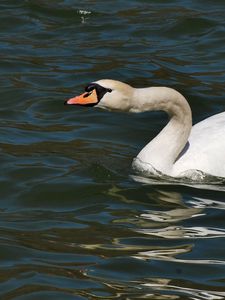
75	224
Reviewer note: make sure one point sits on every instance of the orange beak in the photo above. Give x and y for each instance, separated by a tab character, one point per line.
84	99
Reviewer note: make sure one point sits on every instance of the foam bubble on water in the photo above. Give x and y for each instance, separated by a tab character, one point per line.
83	12
84	15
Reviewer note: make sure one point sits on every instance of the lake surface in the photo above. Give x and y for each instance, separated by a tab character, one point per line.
74	222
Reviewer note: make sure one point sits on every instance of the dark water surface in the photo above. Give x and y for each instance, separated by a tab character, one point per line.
73	222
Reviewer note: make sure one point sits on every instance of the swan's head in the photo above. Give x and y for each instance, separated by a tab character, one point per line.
105	93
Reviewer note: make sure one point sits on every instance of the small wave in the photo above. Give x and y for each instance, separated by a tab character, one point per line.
189	176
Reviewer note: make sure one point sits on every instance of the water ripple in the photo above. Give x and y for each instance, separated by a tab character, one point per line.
74	222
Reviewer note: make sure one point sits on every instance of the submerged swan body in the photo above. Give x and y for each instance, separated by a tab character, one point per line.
179	149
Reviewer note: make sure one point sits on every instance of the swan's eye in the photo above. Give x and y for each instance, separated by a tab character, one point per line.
100	90
90	87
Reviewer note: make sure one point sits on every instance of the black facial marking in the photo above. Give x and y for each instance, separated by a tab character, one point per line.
90	87
86	95
100	90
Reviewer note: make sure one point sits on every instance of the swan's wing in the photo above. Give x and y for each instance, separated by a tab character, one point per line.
206	149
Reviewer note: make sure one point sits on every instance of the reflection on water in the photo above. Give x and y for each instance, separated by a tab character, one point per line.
75	223
174	257
165	287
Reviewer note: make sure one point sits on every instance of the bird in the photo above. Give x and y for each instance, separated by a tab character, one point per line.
180	150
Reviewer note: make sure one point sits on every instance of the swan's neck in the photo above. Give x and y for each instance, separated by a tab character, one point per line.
165	148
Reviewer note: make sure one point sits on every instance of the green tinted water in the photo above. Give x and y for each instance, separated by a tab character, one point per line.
74	223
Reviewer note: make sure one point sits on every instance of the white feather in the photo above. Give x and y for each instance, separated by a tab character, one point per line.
179	150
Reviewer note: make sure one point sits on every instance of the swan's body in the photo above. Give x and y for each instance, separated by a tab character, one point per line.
179	149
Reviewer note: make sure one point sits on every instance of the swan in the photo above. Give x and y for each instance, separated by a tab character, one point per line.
180	149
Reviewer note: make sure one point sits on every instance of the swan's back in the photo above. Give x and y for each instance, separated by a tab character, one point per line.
206	148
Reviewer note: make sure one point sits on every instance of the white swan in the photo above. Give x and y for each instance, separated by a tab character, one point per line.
179	150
